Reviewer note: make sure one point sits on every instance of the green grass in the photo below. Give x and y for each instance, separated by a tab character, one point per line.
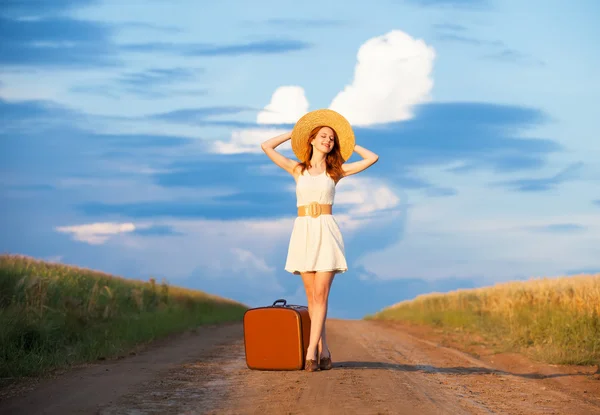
53	315
555	320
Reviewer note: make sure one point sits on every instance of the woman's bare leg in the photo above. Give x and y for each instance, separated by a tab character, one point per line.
308	278
320	299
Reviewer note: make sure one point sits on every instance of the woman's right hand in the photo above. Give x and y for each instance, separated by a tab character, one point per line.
277	140
269	146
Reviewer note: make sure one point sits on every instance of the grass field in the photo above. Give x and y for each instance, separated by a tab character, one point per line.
53	315
556	320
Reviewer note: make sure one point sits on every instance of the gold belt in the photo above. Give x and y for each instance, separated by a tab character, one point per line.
314	209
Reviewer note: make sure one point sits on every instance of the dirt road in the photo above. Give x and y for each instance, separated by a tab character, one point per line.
379	368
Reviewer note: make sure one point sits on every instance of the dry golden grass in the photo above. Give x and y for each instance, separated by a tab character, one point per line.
556	318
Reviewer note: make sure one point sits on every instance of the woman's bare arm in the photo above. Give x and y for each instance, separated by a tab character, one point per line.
369	158
269	148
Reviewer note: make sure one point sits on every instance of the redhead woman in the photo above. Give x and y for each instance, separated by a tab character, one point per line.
322	140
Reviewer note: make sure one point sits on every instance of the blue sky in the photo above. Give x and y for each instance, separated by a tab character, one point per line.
131	140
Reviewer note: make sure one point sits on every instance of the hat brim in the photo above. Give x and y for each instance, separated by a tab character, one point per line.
325	118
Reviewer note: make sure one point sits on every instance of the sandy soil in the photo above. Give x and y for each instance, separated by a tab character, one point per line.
379	368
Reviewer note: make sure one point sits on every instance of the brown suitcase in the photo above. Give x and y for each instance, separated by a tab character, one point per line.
276	337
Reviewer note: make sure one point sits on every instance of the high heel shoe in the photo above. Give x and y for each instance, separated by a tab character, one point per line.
311	365
325	362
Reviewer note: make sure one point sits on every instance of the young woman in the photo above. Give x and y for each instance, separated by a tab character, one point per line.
322	140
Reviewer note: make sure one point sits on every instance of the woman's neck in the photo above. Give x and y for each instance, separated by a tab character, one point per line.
318	161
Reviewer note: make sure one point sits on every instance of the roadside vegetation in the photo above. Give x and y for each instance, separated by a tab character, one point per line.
54	315
556	320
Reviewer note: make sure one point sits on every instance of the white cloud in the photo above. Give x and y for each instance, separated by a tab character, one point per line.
226	255
366	194
392	74
219	247
442	242
246	260
288	103
476	236
365	197
96	233
246	141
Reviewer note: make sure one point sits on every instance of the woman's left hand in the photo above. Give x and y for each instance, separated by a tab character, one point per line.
369	158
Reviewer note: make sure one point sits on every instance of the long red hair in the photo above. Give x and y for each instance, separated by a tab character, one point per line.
333	160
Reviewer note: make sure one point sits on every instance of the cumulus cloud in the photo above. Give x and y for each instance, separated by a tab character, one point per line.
246	260
245	140
365	196
96	233
224	257
288	103
392	74
219	247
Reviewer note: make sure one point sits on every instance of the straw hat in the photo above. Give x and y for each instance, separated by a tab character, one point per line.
323	117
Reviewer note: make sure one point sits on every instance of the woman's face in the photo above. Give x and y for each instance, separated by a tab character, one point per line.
324	140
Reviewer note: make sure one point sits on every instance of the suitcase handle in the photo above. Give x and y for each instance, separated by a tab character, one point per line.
279	301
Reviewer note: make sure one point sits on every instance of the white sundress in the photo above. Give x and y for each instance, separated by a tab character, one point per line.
316	244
